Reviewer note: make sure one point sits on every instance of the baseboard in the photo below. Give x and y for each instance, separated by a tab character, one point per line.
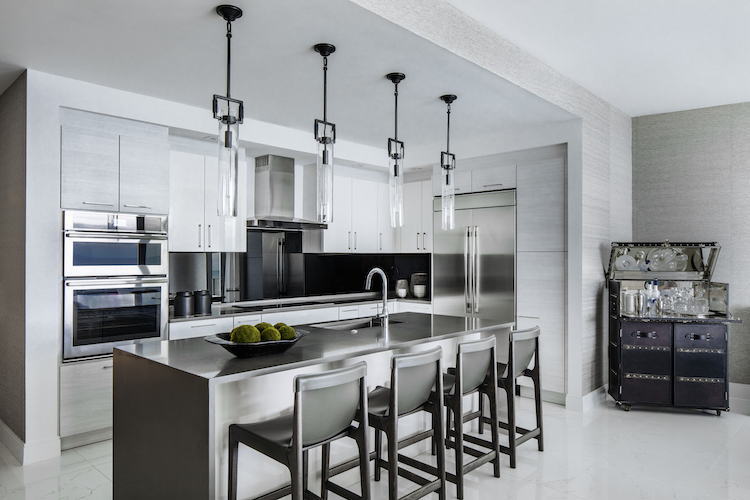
739	398
549	396
28	453
585	403
86	438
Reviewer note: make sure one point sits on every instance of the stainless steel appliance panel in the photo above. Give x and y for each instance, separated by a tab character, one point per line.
89	254
274	265
450	261
100	314
494	232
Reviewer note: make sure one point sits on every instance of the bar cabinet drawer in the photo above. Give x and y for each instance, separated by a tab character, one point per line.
691	336
700	392
647	388
646	334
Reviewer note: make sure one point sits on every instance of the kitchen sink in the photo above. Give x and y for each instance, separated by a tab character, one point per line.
352	324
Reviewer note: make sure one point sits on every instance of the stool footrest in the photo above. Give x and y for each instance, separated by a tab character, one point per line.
342	492
415	438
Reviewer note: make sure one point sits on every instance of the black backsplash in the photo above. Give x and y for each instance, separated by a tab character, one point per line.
328	274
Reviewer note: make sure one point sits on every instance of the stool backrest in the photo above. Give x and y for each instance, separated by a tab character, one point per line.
524	344
414	376
326	403
474	361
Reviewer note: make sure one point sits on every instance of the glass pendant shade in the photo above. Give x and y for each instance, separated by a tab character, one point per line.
448	169
228	112
325	134
396	170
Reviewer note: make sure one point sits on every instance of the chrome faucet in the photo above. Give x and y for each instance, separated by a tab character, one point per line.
383	316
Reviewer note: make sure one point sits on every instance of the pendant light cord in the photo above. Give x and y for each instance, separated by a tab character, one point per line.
325	88
395	113
448	139
229	54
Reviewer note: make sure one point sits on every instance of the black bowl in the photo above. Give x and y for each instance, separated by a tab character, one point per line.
242	350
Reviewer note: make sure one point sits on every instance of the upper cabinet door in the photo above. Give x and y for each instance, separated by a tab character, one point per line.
493	178
427	216
89	169
386	233
224	234
186	208
364	207
144	176
411	232
338	238
541	206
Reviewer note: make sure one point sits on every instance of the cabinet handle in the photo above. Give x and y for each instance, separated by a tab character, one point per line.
107	367
424	241
202	326
496	184
698	336
98	204
417	241
649	335
209	236
136	206
350	240
200	235
381	241
355	240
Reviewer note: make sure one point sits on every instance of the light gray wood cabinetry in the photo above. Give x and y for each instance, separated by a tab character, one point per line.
89	169
541	261
194	225
144	176
85	397
416	233
104	170
493	178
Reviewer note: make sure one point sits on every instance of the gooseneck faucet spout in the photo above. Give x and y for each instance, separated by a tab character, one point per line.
368	283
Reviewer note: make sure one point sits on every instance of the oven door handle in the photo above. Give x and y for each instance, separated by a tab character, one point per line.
116	236
103	283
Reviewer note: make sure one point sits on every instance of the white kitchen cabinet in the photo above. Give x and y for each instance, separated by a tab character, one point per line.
349	312
194	225
354	225
250	319
386	233
302	316
101	170
85	396
200	327
417	307
493	178
416	233
144	176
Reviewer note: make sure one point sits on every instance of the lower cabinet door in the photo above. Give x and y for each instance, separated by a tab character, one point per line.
200	328
700	365
647	362
85	396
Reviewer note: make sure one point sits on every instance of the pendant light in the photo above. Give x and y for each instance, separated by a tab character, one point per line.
229	112
448	168
325	135
396	161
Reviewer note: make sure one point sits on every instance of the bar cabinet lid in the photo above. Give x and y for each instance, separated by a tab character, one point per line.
664	261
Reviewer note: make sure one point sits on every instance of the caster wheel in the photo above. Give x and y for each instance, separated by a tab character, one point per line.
718	413
626	407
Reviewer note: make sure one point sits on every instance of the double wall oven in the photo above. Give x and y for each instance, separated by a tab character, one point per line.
115	281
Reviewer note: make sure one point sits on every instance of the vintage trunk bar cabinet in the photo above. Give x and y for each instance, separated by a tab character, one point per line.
662	357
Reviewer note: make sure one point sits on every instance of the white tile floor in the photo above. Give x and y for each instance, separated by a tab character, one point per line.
606	453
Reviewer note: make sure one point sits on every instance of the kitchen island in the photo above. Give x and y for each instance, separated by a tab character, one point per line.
174	400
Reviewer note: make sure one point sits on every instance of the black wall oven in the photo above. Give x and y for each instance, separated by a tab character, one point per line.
115	285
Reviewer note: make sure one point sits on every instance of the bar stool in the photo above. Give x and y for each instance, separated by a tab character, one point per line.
413	377
475	373
523	348
325	404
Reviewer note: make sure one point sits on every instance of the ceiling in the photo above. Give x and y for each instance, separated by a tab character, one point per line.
642	56
176	50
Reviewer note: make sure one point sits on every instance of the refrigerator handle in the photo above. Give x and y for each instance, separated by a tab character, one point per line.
475	269
278	270
282	252
467	270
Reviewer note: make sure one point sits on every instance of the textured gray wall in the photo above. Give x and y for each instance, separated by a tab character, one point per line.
691	179
12	229
606	139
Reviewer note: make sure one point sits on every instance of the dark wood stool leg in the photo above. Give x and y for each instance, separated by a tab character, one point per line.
458	412
378	453
324	473
392	436
538	401
295	468
364	461
510	391
494	426
438	443
481	414
233	452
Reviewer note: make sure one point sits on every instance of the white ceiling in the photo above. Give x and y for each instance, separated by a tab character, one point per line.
643	56
176	50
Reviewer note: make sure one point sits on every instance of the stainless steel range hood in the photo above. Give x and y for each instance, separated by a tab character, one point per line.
274	195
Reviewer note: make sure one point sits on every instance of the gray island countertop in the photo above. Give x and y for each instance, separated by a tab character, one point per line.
210	361
174	400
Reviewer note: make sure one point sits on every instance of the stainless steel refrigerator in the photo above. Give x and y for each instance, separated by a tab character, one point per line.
274	265
473	265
